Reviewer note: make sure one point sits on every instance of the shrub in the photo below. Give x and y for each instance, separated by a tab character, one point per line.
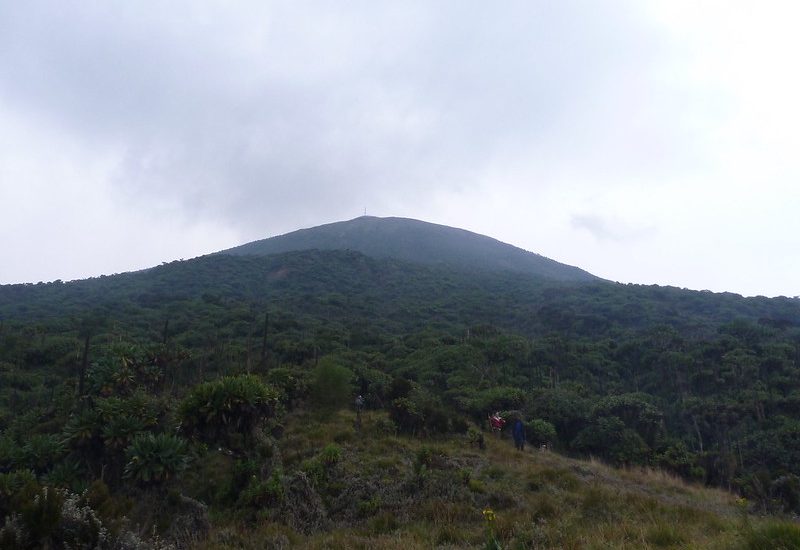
40	452
83	429
331	385
40	510
64	475
262	493
51	518
288	381
141	406
610	439
10	453
10	486
540	432
500	398
154	459
314	471
406	415
79	526
120	430
785	492
679	459
13	535
330	455
385	426
369	507
424	458
318	468
221	410
476	485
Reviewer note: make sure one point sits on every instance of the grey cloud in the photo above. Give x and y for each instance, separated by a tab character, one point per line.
293	112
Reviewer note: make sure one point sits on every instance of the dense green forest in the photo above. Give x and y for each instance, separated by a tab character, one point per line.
119	388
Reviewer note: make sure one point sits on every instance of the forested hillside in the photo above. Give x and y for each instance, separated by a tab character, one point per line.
206	382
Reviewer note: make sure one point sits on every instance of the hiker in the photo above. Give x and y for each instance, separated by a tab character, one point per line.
518	431
496	422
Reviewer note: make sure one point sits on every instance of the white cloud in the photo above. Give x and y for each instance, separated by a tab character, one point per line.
61	217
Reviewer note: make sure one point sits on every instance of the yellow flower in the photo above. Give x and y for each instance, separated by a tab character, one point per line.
488	515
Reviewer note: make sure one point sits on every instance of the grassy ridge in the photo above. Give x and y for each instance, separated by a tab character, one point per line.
539	499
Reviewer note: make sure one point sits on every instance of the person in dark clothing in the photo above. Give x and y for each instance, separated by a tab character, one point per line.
518	431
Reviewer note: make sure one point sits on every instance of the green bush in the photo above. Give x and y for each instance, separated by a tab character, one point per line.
10	453
228	409
540	432
406	415
119	431
40	510
64	475
290	382
331	385
155	458
501	398
261	493
82	430
80	527
143	407
611	439
314	470
318	468
785	493
10	486
476	485
369	507
384	426
41	452
45	517
330	455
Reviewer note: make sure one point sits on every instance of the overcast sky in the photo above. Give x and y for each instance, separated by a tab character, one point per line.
644	141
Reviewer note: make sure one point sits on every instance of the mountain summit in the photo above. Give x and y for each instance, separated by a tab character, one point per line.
415	241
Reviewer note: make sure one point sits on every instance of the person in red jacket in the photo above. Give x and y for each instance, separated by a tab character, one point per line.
496	422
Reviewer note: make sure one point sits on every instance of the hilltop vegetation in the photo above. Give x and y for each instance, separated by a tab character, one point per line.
201	396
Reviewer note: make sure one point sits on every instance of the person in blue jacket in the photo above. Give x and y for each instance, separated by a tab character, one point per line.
518	431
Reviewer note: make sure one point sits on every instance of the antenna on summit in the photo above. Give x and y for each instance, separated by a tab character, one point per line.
365	210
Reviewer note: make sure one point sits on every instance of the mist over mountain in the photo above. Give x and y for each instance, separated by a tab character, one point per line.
416	241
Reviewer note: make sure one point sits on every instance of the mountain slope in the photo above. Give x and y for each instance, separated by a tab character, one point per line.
415	241
703	385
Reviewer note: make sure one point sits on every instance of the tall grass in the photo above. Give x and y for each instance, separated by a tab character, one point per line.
541	499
